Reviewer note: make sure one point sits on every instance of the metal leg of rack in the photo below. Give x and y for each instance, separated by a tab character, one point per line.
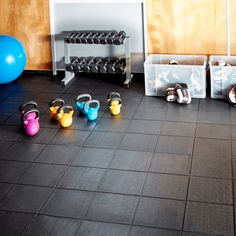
129	76
68	75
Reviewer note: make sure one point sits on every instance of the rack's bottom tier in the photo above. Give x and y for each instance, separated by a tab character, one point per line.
111	65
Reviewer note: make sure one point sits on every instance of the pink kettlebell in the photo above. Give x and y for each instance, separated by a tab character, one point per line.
30	118
31	122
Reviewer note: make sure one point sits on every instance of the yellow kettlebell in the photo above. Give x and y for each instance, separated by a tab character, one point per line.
54	105
114	102
64	118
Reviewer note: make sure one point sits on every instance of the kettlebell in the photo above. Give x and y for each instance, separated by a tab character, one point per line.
30	117
91	112
114	102
30	120
54	105
28	106
65	119
81	100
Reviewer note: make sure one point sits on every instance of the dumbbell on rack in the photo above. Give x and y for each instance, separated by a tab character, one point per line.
119	39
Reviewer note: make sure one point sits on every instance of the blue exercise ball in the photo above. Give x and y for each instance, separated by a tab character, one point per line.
12	59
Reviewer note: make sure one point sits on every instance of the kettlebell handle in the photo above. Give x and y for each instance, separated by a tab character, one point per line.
113	95
91	102
56	100
36	111
70	108
30	103
114	99
85	95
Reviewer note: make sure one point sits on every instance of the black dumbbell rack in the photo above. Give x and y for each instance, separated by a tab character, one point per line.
109	65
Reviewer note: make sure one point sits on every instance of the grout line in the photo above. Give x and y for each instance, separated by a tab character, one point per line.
190	170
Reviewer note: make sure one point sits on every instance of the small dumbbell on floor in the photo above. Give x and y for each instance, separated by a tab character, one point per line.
179	93
114	103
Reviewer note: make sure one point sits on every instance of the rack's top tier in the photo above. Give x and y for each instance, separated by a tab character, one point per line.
96	37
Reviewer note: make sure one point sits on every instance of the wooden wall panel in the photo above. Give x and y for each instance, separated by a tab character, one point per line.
189	27
29	21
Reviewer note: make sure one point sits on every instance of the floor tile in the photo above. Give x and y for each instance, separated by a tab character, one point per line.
139	142
213	105
7	106
4	117
126	182
218	219
94	157
13	119
57	154
212	148
90	228
148	113
171	163
104	140
68	203
219	167
47	122
193	234
210	190
126	112
12	223
23	151
112	125
47	97
233	132
175	145
166	186
145	126
4	188
4	145
70	137
44	136
214	117
43	174
82	123
232	115
178	129
11	171
47	225
153	102
10	133
233	148
181	115
161	213
213	131
25	198
131	160
82	178
112	208
145	231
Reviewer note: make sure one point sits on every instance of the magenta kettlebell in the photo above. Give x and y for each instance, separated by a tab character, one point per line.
31	122
30	118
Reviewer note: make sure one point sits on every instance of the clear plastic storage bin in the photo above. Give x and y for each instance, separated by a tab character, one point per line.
159	75
222	77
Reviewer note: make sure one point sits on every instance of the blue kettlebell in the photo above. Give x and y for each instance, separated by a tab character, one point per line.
91	112
81	100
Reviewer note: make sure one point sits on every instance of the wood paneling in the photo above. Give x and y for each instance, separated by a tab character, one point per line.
29	21
189	27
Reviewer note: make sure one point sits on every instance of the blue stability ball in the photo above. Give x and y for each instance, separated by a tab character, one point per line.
12	59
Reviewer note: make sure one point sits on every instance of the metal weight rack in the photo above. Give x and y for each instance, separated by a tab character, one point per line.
74	38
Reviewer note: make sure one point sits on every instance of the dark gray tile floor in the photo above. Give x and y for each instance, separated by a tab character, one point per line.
157	169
